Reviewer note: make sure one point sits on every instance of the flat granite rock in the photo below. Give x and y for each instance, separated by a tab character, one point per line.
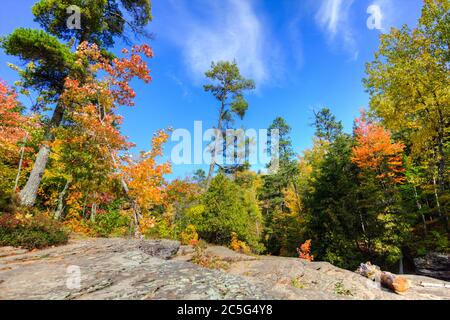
158	269
164	249
118	269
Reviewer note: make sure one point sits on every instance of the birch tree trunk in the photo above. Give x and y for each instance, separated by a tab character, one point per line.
60	208
419	206
28	194
436	196
93	211
22	152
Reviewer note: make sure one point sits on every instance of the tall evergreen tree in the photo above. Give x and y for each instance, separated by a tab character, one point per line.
333	223
228	86
326	125
281	223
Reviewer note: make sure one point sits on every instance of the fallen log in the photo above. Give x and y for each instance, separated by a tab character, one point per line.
388	280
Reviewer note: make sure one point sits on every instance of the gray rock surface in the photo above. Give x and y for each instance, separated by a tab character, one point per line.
133	269
436	265
163	249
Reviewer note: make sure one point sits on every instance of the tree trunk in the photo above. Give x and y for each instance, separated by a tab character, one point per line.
436	196
362	224
59	210
441	151
297	196
83	213
28	194
212	165
400	265
22	152
442	162
136	211
94	208
419	206
93	211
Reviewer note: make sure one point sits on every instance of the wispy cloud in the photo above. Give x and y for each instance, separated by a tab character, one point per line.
333	17
294	33
185	93
224	30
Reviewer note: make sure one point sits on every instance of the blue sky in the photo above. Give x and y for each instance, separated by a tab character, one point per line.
302	54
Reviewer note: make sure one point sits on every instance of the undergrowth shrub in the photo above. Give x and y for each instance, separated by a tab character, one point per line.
111	223
30	231
189	236
204	260
238	245
304	251
225	209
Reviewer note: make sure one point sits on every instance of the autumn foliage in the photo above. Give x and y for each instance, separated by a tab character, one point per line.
238	245
375	151
15	132
189	236
92	103
12	122
145	177
304	251
89	146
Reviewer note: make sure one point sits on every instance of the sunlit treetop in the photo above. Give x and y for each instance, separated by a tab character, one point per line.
376	151
101	20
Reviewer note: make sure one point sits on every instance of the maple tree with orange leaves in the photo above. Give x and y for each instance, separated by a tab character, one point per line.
15	128
93	103
92	106
376	151
12	122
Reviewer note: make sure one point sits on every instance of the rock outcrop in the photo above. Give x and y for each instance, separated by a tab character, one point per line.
436	265
133	269
164	249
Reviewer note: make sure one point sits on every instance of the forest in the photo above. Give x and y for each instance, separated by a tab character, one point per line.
379	194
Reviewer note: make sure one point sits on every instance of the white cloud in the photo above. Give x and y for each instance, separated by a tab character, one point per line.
207	31
333	17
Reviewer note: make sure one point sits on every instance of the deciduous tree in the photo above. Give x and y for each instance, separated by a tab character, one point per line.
376	151
409	81
50	62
